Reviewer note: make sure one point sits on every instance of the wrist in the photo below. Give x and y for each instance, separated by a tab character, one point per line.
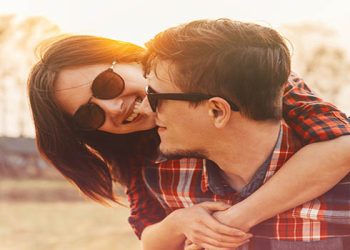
241	217
174	222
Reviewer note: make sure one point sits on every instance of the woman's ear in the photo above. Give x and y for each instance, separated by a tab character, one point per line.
219	111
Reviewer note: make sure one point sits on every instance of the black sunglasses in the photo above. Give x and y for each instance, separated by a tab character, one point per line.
153	98
107	85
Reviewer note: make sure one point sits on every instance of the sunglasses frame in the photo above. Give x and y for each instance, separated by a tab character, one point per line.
153	98
90	106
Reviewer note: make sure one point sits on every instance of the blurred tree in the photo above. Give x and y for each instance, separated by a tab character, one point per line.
317	58
18	42
5	22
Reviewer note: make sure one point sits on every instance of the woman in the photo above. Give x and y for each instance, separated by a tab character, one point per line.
91	159
87	96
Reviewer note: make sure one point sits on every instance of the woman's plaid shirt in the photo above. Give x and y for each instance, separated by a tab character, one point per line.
157	189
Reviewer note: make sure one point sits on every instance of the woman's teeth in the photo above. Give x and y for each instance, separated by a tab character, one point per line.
135	112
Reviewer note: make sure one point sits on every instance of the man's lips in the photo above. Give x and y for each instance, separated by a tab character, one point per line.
161	128
159	124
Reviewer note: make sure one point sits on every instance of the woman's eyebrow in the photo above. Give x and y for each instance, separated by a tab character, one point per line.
78	86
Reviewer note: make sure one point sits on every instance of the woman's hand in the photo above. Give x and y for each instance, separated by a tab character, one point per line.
189	245
204	231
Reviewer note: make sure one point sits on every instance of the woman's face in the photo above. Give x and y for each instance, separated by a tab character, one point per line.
126	113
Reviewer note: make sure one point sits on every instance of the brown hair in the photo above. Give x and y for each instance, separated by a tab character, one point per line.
242	62
91	160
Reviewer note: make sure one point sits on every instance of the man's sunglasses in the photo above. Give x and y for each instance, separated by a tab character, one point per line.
107	85
153	98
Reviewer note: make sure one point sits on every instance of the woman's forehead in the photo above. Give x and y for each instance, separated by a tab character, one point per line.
70	78
72	86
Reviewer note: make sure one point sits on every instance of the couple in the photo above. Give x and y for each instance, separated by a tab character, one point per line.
217	90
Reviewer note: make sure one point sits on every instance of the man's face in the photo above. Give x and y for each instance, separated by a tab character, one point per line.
182	127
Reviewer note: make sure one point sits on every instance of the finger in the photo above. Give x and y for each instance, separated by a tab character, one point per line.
193	247
207	232
211	247
188	242
218	227
201	240
214	205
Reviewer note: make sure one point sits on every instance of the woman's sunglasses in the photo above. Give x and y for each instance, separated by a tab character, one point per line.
106	85
154	97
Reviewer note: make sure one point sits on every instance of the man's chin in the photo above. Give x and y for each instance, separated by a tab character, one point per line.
180	153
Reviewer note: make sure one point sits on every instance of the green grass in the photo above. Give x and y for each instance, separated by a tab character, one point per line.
56	224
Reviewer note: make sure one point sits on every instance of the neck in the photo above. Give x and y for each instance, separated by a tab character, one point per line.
244	149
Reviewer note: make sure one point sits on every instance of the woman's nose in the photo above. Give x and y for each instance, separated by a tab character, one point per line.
112	106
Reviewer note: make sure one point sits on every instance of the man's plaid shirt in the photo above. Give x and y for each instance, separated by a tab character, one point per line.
157	189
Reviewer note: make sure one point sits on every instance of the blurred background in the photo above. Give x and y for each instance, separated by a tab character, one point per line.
38	208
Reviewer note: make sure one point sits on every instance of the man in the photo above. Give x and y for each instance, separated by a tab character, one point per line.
234	74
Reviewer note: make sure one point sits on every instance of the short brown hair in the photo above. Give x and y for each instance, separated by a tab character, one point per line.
242	62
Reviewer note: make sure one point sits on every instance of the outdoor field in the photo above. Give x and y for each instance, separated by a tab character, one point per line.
51	214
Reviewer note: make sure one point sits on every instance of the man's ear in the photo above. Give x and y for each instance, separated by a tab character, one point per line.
219	111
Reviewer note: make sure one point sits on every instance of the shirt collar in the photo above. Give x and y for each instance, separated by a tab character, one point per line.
159	158
212	179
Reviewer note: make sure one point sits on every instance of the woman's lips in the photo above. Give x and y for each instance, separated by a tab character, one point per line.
135	111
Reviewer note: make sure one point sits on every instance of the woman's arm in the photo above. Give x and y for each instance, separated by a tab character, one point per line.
159	231
312	171
163	235
196	224
145	210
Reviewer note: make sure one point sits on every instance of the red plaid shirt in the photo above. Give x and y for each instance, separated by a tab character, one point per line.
312	120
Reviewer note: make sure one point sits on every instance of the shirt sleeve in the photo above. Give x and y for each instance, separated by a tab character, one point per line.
309	116
145	209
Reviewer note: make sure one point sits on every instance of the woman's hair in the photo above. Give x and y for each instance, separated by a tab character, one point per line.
91	160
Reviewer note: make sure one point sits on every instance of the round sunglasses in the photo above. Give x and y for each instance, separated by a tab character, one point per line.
107	85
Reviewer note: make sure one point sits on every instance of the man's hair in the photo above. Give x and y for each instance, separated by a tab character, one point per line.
242	62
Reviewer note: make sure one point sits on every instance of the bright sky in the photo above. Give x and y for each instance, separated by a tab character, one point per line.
138	20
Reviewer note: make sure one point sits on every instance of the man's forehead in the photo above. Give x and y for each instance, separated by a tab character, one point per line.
161	72
162	77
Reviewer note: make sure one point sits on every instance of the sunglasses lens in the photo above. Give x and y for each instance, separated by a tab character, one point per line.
107	85
152	98
89	117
